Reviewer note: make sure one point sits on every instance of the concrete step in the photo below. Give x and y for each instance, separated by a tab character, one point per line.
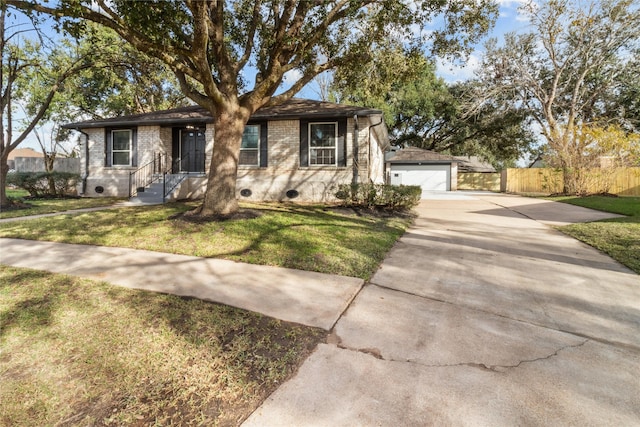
136	201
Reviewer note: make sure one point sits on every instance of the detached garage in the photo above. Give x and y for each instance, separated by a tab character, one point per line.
430	170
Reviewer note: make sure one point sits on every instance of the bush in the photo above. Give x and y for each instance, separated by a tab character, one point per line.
379	196
38	184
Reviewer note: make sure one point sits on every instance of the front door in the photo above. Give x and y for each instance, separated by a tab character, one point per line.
192	150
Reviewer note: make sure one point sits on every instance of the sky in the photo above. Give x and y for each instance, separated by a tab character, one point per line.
510	19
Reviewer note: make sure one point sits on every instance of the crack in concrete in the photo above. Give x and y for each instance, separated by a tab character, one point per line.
503	368
374	352
523	321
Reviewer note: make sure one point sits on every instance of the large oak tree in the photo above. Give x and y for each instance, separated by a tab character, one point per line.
231	56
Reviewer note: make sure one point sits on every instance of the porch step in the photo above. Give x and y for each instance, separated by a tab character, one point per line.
151	195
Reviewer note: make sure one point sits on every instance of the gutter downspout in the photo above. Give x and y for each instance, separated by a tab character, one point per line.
370	151
86	161
354	180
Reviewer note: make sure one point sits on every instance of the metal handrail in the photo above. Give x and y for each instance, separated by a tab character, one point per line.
146	174
176	177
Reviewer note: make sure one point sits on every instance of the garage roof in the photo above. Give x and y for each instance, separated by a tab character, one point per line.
418	155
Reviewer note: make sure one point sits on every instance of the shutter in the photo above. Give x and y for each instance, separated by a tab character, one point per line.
175	149
107	148
342	142
264	147
134	147
304	143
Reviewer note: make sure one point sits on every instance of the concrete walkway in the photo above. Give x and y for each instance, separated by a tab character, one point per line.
481	315
305	297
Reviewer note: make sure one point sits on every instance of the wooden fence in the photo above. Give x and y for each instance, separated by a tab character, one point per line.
624	182
488	181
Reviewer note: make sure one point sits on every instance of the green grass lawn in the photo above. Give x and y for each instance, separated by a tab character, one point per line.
313	238
45	206
618	237
79	352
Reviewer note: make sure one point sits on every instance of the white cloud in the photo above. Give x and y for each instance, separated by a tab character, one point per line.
290	77
454	72
511	3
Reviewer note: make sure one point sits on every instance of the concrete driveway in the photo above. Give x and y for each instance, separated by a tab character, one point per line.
481	315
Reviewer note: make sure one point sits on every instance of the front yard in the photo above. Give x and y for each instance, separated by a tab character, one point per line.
45	206
314	238
618	237
79	352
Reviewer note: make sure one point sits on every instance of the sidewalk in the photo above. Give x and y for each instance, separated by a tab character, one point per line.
305	297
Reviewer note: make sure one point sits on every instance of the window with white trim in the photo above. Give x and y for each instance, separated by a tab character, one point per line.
322	144
121	147
250	148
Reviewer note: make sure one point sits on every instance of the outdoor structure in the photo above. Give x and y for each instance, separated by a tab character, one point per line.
473	164
22	153
297	150
430	170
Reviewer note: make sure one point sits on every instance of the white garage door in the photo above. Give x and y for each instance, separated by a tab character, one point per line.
429	177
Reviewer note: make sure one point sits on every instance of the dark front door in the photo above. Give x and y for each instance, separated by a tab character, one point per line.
192	150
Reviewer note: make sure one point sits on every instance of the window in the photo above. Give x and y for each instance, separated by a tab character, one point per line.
249	150
121	147
322	143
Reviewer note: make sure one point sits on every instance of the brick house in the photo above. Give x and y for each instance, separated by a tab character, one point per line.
297	150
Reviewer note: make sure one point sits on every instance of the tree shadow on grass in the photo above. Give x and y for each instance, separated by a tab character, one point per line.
31	309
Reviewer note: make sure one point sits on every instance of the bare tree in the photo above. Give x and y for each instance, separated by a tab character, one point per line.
18	58
575	55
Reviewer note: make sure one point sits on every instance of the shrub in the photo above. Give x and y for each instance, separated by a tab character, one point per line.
45	184
379	196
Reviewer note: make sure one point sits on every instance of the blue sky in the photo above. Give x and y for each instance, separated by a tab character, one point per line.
509	20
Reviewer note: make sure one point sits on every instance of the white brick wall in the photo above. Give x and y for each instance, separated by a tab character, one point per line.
271	183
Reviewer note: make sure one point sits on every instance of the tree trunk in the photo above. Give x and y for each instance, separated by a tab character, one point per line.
220	196
49	160
4	169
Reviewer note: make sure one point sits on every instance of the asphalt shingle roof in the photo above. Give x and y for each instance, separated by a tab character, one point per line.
293	108
416	155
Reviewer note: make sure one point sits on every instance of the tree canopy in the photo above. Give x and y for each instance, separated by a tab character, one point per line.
31	75
231	56
422	110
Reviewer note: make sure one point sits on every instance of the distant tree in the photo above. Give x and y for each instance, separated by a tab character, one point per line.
567	71
603	151
421	110
623	103
209	46
20	59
